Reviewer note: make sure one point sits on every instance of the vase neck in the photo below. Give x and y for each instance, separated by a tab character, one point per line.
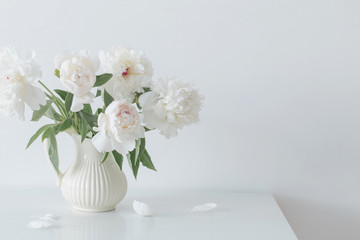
85	150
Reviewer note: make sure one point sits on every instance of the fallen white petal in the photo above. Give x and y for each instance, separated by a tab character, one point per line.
142	209
39	224
49	217
204	207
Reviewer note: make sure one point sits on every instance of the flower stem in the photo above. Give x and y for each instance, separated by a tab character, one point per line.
42	84
76	122
59	104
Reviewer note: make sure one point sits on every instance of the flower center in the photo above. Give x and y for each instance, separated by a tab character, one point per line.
127	119
126	72
12	77
121	113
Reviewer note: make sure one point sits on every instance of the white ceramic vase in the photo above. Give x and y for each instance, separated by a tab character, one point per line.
89	185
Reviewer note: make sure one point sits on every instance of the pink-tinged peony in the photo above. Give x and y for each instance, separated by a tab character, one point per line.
118	128
78	75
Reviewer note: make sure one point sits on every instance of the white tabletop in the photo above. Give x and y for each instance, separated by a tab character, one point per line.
247	216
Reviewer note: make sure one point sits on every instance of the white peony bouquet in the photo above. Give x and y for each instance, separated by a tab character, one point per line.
132	103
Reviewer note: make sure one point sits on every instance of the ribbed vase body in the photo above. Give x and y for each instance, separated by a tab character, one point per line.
90	185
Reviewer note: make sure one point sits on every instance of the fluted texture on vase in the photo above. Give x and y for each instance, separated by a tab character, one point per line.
91	186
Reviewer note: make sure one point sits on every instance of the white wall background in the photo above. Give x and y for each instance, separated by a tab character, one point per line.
282	108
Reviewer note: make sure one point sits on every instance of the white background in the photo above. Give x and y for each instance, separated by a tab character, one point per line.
281	82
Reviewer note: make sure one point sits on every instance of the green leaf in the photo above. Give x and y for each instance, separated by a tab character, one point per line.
45	134
98	111
61	93
118	158
137	104
140	145
68	101
84	128
38	133
53	150
52	114
57	73
145	159
133	156
134	165
107	98
102	79
65	125
137	96
56	128
87	108
147	129
86	123
90	118
37	114
98	93
105	157
147	89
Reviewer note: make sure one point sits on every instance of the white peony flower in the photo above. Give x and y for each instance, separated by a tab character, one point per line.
131	70
171	105
18	73
78	75
119	127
